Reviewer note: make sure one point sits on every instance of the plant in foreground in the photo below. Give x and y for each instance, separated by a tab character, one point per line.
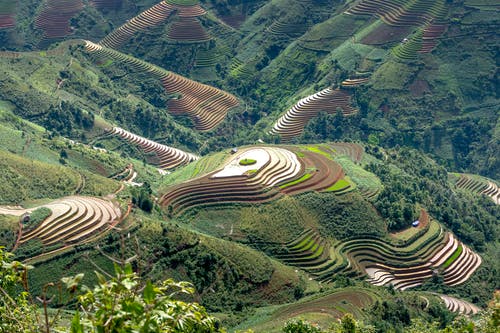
122	304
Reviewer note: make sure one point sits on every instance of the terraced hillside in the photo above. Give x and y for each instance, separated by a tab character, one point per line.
400	13
151	17
430	18
431	35
73	220
330	100
128	176
322	309
442	254
460	306
477	185
54	17
310	252
259	174
7	13
207	106
106	4
403	265
167	157
286	227
185	26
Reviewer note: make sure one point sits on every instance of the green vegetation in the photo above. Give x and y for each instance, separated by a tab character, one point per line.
297	181
247	161
121	303
418	85
8	230
340	185
195	169
23	179
451	259
352	215
38	215
362	178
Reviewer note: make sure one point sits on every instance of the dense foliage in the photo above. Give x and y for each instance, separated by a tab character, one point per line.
121	303
413	178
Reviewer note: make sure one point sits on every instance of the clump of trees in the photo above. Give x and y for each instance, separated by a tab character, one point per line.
141	197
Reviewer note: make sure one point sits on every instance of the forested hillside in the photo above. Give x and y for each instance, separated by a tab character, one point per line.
290	159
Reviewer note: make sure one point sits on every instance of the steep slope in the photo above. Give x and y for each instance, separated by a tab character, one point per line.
207	106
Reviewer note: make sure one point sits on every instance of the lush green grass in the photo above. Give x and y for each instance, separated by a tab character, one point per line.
332	33
249	263
351	54
302	243
297	181
247	161
317	149
351	214
256	222
339	185
24	179
454	256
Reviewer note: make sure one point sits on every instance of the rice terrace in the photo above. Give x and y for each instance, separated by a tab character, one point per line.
249	166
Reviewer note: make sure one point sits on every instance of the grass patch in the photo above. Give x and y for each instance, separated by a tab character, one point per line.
285	215
248	262
318	150
302	243
297	181
247	161
333	32
25	179
455	255
339	185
